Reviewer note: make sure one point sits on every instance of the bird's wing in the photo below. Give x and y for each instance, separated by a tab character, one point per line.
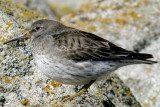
82	46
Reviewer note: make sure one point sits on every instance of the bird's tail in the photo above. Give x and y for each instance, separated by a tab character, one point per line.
139	58
144	61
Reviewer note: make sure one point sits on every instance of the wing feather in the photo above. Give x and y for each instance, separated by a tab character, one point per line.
82	46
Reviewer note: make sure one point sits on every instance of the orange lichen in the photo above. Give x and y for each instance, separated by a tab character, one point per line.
9	24
81	24
26	14
7	80
25	102
106	20
37	105
47	88
52	82
93	28
3	39
105	7
6	31
134	15
55	105
55	84
52	92
120	20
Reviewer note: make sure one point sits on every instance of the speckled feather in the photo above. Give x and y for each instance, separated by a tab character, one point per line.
82	46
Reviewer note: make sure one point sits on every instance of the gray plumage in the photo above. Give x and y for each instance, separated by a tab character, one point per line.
77	57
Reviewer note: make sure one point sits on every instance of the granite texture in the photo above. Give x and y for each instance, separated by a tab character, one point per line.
132	25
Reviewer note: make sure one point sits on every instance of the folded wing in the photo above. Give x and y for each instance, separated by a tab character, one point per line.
82	46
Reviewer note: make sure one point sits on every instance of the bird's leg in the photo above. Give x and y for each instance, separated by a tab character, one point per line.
82	90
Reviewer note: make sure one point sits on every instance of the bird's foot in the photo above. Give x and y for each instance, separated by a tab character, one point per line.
84	89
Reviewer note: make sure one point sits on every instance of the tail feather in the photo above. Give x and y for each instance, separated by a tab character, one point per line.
139	58
136	61
145	61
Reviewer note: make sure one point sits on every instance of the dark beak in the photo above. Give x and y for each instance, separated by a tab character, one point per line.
26	36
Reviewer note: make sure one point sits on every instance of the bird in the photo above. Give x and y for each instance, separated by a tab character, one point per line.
75	57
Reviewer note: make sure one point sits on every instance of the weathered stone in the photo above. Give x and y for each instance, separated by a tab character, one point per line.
131	25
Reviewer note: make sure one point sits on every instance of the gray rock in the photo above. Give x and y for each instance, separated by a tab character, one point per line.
22	84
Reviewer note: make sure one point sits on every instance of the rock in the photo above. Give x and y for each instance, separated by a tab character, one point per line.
144	80
21	84
53	9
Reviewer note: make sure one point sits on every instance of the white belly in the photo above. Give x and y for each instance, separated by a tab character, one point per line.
68	72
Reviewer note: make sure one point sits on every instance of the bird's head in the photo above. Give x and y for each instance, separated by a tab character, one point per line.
39	28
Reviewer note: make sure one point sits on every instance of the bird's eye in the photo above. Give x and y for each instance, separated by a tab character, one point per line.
37	28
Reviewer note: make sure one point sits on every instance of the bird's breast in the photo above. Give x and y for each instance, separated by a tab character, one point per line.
69	72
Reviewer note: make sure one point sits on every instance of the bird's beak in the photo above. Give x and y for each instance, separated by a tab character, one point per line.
25	36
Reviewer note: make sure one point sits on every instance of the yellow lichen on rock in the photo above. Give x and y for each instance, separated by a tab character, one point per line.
47	88
25	102
55	84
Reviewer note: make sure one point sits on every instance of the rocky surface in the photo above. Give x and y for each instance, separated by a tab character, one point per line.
53	9
132	25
